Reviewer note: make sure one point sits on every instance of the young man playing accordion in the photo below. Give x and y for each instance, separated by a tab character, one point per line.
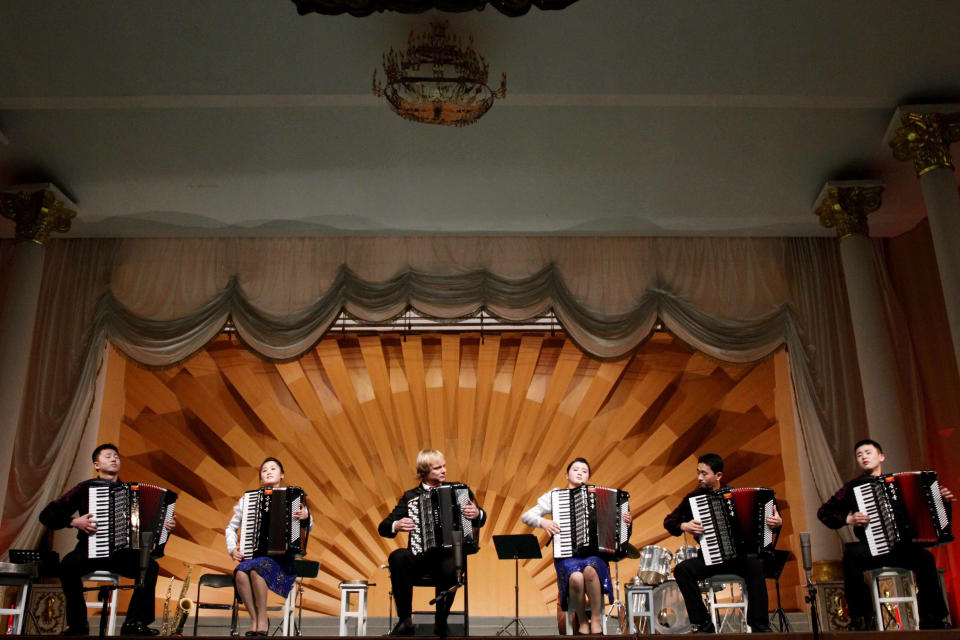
689	572
61	513
841	510
439	563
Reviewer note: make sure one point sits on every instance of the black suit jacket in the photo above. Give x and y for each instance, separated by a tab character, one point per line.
385	528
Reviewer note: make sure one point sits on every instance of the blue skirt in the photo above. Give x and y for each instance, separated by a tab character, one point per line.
567	566
279	574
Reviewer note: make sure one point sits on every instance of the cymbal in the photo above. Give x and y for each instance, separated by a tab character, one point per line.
631	551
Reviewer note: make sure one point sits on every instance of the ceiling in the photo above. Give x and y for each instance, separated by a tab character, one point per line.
622	117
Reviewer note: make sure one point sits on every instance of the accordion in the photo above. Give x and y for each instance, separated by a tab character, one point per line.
591	522
438	516
268	527
904	508
123	512
734	523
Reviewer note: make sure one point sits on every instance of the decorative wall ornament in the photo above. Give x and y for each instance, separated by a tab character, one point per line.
361	8
925	138
844	206
38	210
437	80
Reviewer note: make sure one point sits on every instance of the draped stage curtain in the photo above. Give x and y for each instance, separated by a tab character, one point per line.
160	300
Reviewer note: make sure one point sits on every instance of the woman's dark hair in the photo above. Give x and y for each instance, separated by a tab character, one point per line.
576	460
279	464
713	461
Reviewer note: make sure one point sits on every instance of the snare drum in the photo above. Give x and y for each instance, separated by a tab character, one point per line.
684	553
654	564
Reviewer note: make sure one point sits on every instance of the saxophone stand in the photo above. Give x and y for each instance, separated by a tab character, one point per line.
517	547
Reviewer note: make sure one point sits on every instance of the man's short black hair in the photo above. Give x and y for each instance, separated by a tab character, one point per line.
713	461
103	447
870	442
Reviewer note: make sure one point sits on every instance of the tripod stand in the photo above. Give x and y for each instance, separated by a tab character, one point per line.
517	547
616	607
772	568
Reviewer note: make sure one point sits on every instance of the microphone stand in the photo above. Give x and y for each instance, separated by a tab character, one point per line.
811	588
445	598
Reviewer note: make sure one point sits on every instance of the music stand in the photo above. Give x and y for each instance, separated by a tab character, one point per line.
524	546
773	564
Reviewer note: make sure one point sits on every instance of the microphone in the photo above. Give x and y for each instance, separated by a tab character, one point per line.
805	550
458	553
146	545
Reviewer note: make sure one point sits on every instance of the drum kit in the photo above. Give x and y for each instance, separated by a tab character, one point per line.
656	570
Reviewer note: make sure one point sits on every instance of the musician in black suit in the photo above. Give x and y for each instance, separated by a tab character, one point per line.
689	572
841	509
438	563
72	510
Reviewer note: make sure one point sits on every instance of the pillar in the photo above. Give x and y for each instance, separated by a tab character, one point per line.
844	206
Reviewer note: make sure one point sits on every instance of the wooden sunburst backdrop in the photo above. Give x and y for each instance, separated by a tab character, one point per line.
509	411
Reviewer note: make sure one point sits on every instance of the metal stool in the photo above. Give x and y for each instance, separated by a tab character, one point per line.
639	605
114	579
216	581
735	608
358	587
17	575
892	588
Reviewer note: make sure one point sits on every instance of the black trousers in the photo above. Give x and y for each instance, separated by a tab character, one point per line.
407	570
75	565
689	572
857	559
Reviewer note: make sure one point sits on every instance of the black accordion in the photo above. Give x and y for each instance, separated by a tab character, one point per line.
268	526
734	523
124	511
904	508
438	516
591	522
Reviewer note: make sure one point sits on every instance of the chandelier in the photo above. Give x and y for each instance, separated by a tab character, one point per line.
436	80
360	8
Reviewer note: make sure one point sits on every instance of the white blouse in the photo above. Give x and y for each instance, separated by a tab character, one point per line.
237	521
544	507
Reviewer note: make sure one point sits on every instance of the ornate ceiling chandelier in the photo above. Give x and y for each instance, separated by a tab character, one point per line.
360	8
436	80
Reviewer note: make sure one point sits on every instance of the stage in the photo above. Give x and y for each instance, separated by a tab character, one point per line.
952	634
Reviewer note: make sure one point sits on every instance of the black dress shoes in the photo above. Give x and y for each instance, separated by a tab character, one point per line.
76	631
707	627
403	628
137	629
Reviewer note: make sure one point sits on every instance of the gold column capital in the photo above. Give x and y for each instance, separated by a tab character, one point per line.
37	210
925	138
844	206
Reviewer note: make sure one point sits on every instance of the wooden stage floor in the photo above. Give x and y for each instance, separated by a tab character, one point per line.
952	634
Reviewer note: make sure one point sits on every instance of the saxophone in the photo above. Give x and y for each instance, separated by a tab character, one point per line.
184	607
